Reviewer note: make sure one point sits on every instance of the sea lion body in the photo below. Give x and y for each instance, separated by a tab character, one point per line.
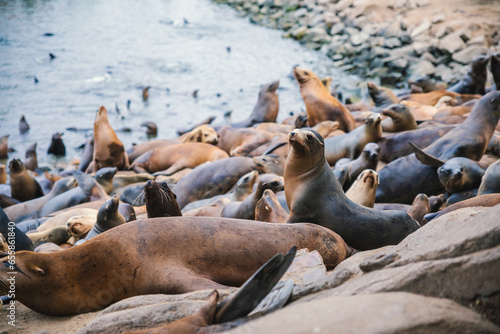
21	240
320	104
399	119
381	96
23	186
419	208
108	217
475	80
269	209
368	159
460	174
87	155
4	147
241	141
490	183
3	174
56	145
31	161
214	209
183	254
57	235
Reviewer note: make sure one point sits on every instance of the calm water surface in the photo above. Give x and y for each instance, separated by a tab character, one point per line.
107	50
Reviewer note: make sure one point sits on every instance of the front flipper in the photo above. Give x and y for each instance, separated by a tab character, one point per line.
425	158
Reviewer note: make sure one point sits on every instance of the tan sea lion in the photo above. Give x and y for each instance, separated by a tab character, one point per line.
364	188
79	226
108	149
351	144
419	208
270	163
269	209
399	119
183	254
23	186
206	121
4	147
214	209
381	96
61	218
320	104
490	183
173	158
3	174
314	195
201	134
241	141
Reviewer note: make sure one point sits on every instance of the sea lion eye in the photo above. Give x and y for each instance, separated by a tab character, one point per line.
309	137
274	183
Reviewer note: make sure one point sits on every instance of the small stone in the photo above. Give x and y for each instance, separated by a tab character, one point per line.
451	43
423	27
422	68
391	43
428	56
399	64
337	28
380	52
405	38
443	31
420	47
351	31
359	38
477	40
444	73
299	32
469	53
438	18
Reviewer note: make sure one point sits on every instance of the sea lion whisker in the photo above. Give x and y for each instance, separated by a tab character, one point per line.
138	196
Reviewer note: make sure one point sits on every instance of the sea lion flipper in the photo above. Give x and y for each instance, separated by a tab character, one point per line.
425	158
255	288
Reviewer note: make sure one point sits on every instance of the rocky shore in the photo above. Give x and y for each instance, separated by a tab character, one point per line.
390	40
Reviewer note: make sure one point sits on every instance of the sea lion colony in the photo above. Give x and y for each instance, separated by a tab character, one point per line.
121	209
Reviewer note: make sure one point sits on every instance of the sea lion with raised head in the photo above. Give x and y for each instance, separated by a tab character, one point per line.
364	188
4	147
23	186
23	125
419	208
31	161
474	80
314	195
87	155
79	226
490	182
3	174
56	145
399	119
381	96
160	200
108	217
368	159
460	174
269	209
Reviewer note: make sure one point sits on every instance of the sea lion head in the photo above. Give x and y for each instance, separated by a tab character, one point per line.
371	152
109	210
479	63
64	184
104	177
203	134
28	266
16	166
452	175
270	87
31	151
304	76
79	226
271	181
246	181
269	163
373	120
151	128
160	200
369	178
396	111
306	142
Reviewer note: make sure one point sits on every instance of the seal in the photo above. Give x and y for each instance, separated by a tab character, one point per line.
419	208
460	174
406	177
241	141
56	145
6	201
206	121
160	200
23	125
381	96
314	195
123	179
151	128
269	209
87	155
495	69
490	183
108	149
474	80
364	188
62	218
79	226
266	109
201	134
320	104
399	119
108	217
31	161
214	209
22	242
368	159
23	186
4	147
48	247
173	158
351	144
246	208
57	235
270	163
3	174
206	255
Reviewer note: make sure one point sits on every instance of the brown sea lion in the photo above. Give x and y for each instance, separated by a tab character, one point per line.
145	93
404	178
364	188
368	159
381	96
173	158
274	127
214	209
206	121
266	109
4	147
160	200
108	149
314	195
490	183
460	174
79	226
461	110
23	125
351	144
151	128
3	174
23	186
7	201
201	134
320	104
183	254
399	119
475	80
425	85
57	235
241	141
246	208
419	208
31	161
269	209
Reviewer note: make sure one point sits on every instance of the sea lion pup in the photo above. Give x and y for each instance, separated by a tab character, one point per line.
246	208
269	209
475	80
32	207
460	174
108	149
151	128
314	195
173	158
31	161
23	125
79	226
160	200
404	178
183	254
266	109
22	242
320	104
490	183
381	96
399	119
23	186
419	208
56	145
351	144
368	159
107	218
364	188
3	174
4	147
57	235
206	121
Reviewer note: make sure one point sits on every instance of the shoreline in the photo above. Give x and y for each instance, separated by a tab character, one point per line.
393	40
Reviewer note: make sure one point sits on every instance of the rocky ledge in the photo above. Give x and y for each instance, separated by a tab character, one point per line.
394	40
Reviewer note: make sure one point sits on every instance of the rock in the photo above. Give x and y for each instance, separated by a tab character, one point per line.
438	18
306	268
396	312
299	32
420	47
380	52
444	73
337	28
422	68
317	35
451	43
421	28
399	64
392	30
477	40
429	57
359	38
469	53
391	43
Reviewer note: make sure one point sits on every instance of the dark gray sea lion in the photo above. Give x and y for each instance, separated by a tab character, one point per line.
186	129
160	200
56	145
459	174
87	155
20	241
23	125
381	96
31	161
490	183
475	80
368	159
108	217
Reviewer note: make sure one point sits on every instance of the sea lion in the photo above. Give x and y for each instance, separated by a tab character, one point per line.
381	96
274	127
266	109
351	144
214	209
108	149
241	141
21	240
3	174
160	200
460	174
23	186
32	207
105	178
145	93
268	209
368	159
48	247
425	84
364	188
430	98
61	218
404	178
201	134
206	121
125	178
79	226
419	208
87	155
320	104
212	179
490	183
184	254
108	217
475	80
4	147
173	158
7	201
399	119
31	161
314	195
270	163
151	128
23	125
56	145
246	208
486	200
495	69
57	235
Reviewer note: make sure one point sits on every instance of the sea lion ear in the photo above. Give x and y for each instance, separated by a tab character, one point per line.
425	158
198	135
